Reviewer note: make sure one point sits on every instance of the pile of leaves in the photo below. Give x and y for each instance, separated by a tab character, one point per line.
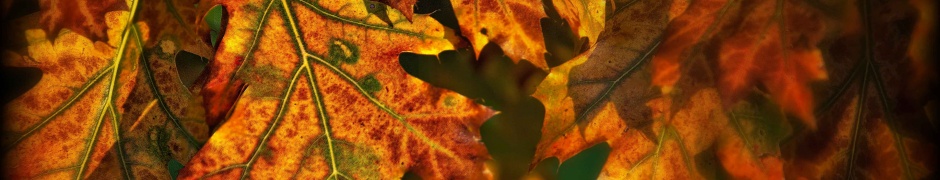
469	89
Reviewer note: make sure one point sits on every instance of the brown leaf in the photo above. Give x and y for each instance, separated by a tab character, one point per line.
611	76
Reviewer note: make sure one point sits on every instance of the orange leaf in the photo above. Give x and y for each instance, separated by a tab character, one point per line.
325	98
108	108
514	25
684	31
774	43
85	17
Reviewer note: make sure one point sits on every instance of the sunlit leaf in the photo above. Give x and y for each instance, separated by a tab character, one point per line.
121	110
609	81
513	25
324	98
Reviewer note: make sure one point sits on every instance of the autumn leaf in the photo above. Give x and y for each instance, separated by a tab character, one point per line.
324	98
72	92
386	89
513	25
769	43
406	7
775	44
110	115
732	74
679	149
516	25
83	17
593	85
693	23
875	120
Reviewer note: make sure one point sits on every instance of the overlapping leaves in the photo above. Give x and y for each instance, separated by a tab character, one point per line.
324	97
732	74
313	89
107	106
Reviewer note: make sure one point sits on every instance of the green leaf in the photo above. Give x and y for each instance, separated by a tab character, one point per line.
585	165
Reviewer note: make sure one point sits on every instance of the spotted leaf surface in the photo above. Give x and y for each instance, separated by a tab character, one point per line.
111	108
324	98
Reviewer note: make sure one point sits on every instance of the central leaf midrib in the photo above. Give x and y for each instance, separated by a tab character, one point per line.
109	95
640	61
286	97
368	95
68	103
869	67
166	108
307	67
255	40
382	106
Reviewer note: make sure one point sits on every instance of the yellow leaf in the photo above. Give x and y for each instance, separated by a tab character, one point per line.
105	109
513	25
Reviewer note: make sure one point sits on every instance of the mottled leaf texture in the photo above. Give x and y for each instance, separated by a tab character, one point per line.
85	17
324	98
514	25
112	108
710	90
